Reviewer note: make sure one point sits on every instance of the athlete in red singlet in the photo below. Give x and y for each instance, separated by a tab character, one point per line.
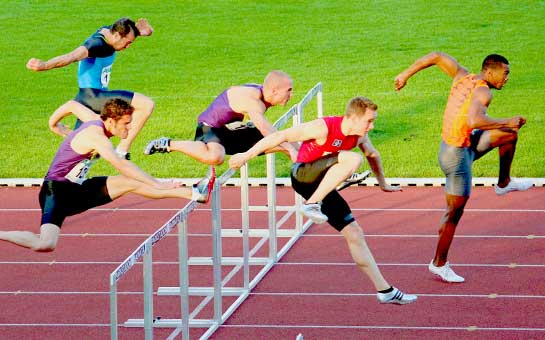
323	162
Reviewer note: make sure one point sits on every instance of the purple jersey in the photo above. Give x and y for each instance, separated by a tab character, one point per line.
68	165
220	112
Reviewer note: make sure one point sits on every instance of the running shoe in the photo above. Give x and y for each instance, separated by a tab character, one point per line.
160	145
397	297
445	273
514	185
355	178
201	190
314	212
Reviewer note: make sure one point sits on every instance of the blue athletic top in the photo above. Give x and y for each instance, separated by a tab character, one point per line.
94	71
220	112
68	165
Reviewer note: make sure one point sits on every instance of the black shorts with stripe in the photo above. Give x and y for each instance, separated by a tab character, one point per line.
305	179
61	199
234	140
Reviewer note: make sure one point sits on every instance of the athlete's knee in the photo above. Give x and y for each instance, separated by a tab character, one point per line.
514	136
454	213
45	246
144	104
215	159
351	159
213	156
353	235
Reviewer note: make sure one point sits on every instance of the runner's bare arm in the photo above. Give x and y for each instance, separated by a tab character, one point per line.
478	119
94	139
76	55
256	112
445	62
70	107
375	162
315	129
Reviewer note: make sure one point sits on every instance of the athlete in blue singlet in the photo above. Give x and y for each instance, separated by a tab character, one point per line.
221	128
96	57
67	191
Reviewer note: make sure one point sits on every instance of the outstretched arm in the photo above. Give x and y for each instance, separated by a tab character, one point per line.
60	61
70	107
445	62
95	139
315	129
478	119
375	162
256	113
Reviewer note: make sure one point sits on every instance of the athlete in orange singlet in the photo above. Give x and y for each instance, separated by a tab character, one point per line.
468	133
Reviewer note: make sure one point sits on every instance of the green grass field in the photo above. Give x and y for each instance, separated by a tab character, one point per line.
201	47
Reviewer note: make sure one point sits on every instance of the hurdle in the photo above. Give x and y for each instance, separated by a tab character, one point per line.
219	289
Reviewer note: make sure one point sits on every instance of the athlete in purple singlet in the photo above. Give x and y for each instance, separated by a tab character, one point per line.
221	128
324	161
67	191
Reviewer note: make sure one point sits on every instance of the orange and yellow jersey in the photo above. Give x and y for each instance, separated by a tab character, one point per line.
456	130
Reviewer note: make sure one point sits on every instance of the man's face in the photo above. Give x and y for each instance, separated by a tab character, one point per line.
120	43
498	76
282	94
366	122
121	127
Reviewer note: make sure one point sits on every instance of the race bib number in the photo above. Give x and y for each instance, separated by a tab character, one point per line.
105	75
78	174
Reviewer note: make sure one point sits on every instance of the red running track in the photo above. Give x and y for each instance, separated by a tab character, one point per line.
315	290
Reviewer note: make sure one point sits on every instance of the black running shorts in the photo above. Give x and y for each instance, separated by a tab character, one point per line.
61	199
305	178
234	141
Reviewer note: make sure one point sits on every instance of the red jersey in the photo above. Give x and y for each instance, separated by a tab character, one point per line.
335	142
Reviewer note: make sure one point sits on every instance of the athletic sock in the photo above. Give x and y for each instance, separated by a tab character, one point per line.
386	290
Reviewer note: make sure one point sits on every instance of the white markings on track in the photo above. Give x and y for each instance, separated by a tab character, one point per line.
529	237
297	294
238	209
385	327
511	296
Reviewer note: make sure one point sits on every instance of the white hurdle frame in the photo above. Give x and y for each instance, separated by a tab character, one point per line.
218	290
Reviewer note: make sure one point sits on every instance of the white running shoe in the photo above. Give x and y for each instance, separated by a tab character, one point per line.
160	145
396	296
201	190
514	185
314	212
355	178
446	273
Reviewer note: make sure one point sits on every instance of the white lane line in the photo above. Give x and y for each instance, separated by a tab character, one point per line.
488	296
319	294
466	328
238	209
528	236
55	325
510	265
480	265
390	327
20	292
